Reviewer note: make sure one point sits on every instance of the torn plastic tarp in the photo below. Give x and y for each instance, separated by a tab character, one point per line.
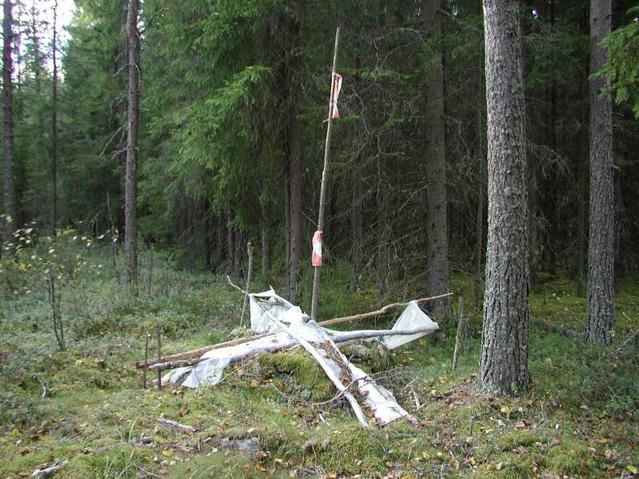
412	318
272	313
268	302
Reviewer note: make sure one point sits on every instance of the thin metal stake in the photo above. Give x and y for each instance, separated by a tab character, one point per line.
325	171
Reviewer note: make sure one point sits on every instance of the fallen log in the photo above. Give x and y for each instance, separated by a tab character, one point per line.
337	337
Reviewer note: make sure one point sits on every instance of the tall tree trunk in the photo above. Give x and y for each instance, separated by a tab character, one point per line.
436	218
54	121
295	198
7	108
504	355
130	210
37	199
481	193
601	247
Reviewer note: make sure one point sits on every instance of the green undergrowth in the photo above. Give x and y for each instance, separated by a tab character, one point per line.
86	404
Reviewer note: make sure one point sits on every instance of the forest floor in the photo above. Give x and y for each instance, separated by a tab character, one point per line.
86	404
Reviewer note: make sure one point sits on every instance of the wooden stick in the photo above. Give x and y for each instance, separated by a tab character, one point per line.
380	312
325	171
249	250
461	326
146	359
159	354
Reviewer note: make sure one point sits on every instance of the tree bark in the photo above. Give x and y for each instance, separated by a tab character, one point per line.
54	121
130	206
601	247
504	355
9	207
436	218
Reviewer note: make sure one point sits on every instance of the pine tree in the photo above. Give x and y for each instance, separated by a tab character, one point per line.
601	246
436	207
9	206
504	356
130	189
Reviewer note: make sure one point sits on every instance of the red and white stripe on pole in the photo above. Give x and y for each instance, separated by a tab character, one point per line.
316	257
336	87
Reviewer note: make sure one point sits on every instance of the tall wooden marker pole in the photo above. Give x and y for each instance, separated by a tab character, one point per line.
325	171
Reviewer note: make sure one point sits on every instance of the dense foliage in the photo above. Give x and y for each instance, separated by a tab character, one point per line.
225	84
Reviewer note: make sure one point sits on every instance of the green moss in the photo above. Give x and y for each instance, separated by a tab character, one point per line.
94	404
572	457
516	438
372	357
297	373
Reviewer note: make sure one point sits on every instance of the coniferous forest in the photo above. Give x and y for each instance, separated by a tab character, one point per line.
157	153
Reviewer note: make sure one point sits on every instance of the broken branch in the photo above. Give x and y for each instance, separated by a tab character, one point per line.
380	312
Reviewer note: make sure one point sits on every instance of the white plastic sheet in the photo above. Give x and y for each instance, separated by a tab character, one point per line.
268	302
412	318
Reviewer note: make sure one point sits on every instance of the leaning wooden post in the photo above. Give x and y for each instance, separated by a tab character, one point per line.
249	250
461	326
317	238
159	337
146	358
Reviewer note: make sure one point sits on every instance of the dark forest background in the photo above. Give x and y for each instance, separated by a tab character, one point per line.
233	98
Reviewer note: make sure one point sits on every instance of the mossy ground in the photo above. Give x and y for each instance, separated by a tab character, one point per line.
579	418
